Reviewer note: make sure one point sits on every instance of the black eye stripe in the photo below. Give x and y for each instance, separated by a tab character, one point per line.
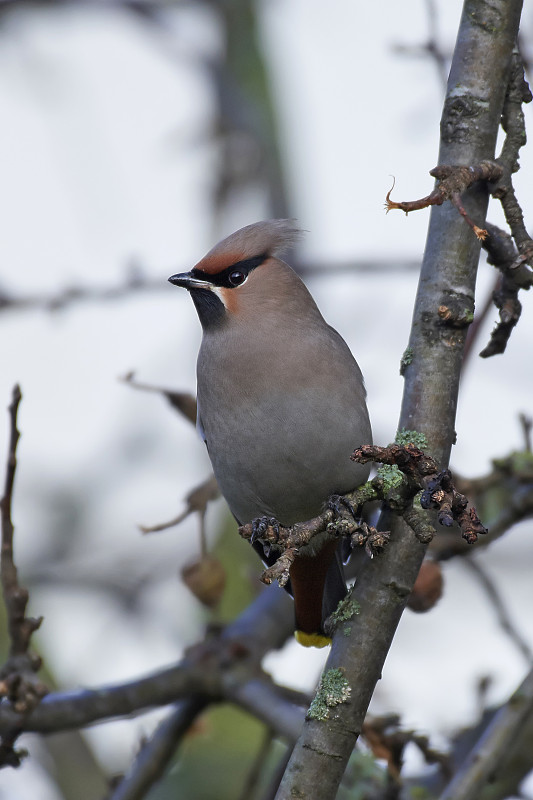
223	278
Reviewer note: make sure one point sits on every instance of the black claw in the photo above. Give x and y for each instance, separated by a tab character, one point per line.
274	524
260	526
337	503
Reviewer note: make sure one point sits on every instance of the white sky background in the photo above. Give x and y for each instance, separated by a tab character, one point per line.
105	161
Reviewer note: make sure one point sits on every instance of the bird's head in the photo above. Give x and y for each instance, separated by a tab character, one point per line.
241	273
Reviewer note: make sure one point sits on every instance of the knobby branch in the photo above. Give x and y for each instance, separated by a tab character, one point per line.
410	484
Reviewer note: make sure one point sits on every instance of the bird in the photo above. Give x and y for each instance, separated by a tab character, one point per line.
281	404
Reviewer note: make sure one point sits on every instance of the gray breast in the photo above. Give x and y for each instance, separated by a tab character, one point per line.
280	427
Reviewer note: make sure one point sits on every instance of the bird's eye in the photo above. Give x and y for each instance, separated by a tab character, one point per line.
237	277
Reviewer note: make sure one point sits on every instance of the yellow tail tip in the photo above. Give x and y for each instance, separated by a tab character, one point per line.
312	639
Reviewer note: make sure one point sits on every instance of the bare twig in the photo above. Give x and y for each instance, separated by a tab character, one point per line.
387	740
132	284
479	318
431	47
60	711
527	423
254	774
502	253
452	182
155	754
515	275
18	680
493	749
502	614
184	402
197	501
514	126
138	284
439	491
198	498
504	495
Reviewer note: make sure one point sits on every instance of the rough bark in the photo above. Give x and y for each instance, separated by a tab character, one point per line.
469	126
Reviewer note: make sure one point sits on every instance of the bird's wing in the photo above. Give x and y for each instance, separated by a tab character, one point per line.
199	425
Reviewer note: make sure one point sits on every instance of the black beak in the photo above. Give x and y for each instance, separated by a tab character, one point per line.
188	281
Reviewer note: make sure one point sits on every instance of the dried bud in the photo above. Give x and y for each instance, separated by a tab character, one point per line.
427	589
206	579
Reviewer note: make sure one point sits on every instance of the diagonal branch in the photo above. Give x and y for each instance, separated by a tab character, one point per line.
469	126
502	614
156	753
489	755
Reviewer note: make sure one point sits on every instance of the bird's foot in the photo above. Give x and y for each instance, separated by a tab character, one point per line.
346	523
339	505
260	526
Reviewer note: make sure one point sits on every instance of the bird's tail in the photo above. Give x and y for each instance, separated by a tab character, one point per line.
318	586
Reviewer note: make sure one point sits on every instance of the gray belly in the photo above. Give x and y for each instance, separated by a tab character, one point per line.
284	459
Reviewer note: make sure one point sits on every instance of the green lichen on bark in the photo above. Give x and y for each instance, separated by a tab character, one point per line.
345	611
406	359
333	690
391	477
417	438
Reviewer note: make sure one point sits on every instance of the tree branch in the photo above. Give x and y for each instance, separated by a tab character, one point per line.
155	755
453	181
500	610
210	669
18	680
469	126
494	748
411	473
499	245
268	617
138	284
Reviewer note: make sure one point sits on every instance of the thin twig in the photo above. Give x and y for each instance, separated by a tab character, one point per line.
18	681
277	775
499	607
477	324
254	774
197	501
184	402
493	749
453	181
527	423
509	260
15	598
155	755
131	285
513	124
62	299
431	47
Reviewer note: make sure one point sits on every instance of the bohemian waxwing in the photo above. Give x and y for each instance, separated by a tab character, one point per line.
281	402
